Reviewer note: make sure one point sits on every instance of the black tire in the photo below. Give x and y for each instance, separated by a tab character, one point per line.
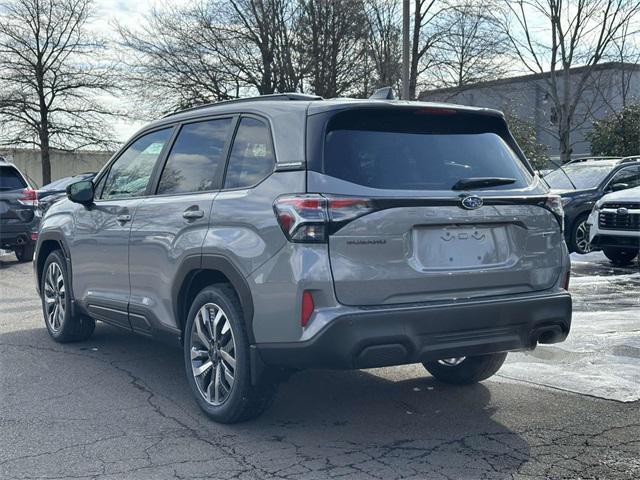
24	253
67	327
244	401
576	240
470	370
620	256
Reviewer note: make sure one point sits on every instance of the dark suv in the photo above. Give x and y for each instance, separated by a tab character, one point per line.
286	232
581	183
19	216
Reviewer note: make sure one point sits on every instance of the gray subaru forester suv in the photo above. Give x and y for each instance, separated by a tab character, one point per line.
285	232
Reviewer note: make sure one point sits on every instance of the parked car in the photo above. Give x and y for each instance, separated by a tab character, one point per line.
581	183
284	232
614	225
57	190
19	216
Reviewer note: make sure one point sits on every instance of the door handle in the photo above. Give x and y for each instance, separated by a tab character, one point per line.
193	214
123	218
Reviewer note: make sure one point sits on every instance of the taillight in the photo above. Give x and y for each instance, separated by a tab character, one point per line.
311	218
29	197
554	205
307	307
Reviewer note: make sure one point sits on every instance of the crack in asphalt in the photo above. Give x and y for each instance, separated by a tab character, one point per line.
189	446
482	455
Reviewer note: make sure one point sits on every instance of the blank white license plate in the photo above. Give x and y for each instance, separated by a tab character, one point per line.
461	247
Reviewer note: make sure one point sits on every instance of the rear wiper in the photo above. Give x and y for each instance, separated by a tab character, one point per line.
481	182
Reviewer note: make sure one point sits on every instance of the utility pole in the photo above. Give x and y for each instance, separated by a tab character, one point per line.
405	50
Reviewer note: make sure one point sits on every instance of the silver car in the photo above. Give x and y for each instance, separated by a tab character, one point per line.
284	232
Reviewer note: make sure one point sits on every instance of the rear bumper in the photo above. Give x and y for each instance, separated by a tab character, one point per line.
377	338
17	234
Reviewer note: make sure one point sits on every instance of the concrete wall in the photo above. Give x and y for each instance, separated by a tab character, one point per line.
63	164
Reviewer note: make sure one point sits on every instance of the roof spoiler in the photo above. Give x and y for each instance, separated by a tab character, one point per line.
384	93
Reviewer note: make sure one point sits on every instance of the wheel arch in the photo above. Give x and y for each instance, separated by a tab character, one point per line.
47	243
197	272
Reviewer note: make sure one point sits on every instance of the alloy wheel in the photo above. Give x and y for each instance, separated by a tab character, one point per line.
582	238
54	296
213	351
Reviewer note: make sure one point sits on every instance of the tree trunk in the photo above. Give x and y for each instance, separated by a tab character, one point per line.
415	45
45	157
43	133
565	120
564	133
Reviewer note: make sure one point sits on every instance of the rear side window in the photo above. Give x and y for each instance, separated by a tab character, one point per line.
252	157
196	159
418	149
10	179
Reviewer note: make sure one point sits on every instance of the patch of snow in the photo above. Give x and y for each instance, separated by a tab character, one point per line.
601	357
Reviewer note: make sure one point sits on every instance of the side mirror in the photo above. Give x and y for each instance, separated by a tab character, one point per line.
81	192
619	186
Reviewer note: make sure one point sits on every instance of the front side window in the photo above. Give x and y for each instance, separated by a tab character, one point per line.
130	174
252	157
628	176
196	159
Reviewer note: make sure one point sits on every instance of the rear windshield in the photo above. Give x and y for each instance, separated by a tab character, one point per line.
583	176
418	149
10	179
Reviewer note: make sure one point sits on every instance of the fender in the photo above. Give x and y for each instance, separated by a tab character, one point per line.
223	265
58	237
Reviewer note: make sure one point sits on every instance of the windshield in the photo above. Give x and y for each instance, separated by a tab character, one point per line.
416	150
582	175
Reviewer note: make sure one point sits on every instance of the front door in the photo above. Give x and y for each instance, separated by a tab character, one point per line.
100	245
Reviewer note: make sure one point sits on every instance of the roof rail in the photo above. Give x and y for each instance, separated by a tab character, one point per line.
586	159
273	96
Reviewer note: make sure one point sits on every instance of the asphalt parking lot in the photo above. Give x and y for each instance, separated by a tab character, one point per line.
118	406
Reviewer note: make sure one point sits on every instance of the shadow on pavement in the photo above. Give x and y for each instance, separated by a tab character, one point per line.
351	421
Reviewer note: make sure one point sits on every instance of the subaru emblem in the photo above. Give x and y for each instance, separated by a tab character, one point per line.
622	211
472	202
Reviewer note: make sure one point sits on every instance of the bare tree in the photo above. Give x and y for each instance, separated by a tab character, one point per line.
49	79
424	36
473	48
577	33
172	61
213	50
384	38
258	39
333	44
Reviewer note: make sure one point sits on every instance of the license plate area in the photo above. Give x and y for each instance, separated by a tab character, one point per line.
460	247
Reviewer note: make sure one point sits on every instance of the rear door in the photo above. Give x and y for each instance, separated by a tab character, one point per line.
424	238
171	224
